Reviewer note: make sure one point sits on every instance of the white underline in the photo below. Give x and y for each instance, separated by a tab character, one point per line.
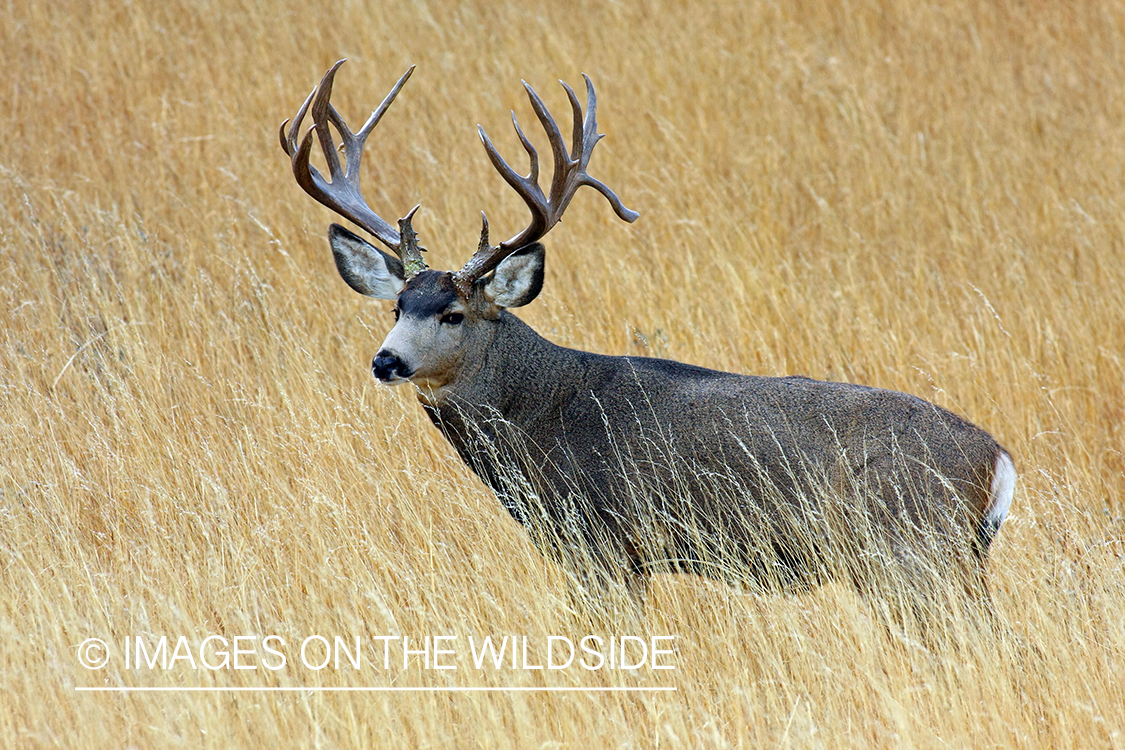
287	689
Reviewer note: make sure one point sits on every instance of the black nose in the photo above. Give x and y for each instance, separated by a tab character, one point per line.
386	366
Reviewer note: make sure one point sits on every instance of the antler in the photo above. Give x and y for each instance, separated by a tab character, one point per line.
569	175
342	193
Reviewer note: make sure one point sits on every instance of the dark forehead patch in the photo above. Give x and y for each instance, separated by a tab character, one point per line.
427	294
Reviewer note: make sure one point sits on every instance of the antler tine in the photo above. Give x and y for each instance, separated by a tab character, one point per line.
322	111
342	192
533	155
569	175
373	120
563	164
590	138
527	187
579	123
289	139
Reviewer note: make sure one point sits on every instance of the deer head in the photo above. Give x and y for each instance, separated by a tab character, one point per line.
441	317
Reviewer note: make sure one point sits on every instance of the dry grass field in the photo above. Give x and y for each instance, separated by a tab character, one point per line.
920	196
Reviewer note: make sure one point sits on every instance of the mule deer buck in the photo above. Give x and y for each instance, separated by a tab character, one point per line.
621	467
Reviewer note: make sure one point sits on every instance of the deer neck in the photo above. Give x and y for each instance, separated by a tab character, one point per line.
515	371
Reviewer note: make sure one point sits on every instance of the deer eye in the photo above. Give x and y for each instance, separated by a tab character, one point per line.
396	312
452	319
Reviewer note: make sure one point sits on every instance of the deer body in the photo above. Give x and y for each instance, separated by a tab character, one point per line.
649	465
620	467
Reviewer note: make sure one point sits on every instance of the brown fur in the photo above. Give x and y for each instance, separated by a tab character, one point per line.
623	466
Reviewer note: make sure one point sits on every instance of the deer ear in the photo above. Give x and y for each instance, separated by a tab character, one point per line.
518	279
365	268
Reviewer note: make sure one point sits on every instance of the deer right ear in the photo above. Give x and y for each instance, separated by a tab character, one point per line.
364	267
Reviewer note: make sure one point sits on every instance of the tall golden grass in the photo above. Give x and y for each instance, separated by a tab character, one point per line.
924	197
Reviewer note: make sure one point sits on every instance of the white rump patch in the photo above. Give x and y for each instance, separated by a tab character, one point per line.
1003	487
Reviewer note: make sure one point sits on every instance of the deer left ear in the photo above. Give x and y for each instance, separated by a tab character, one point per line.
518	279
